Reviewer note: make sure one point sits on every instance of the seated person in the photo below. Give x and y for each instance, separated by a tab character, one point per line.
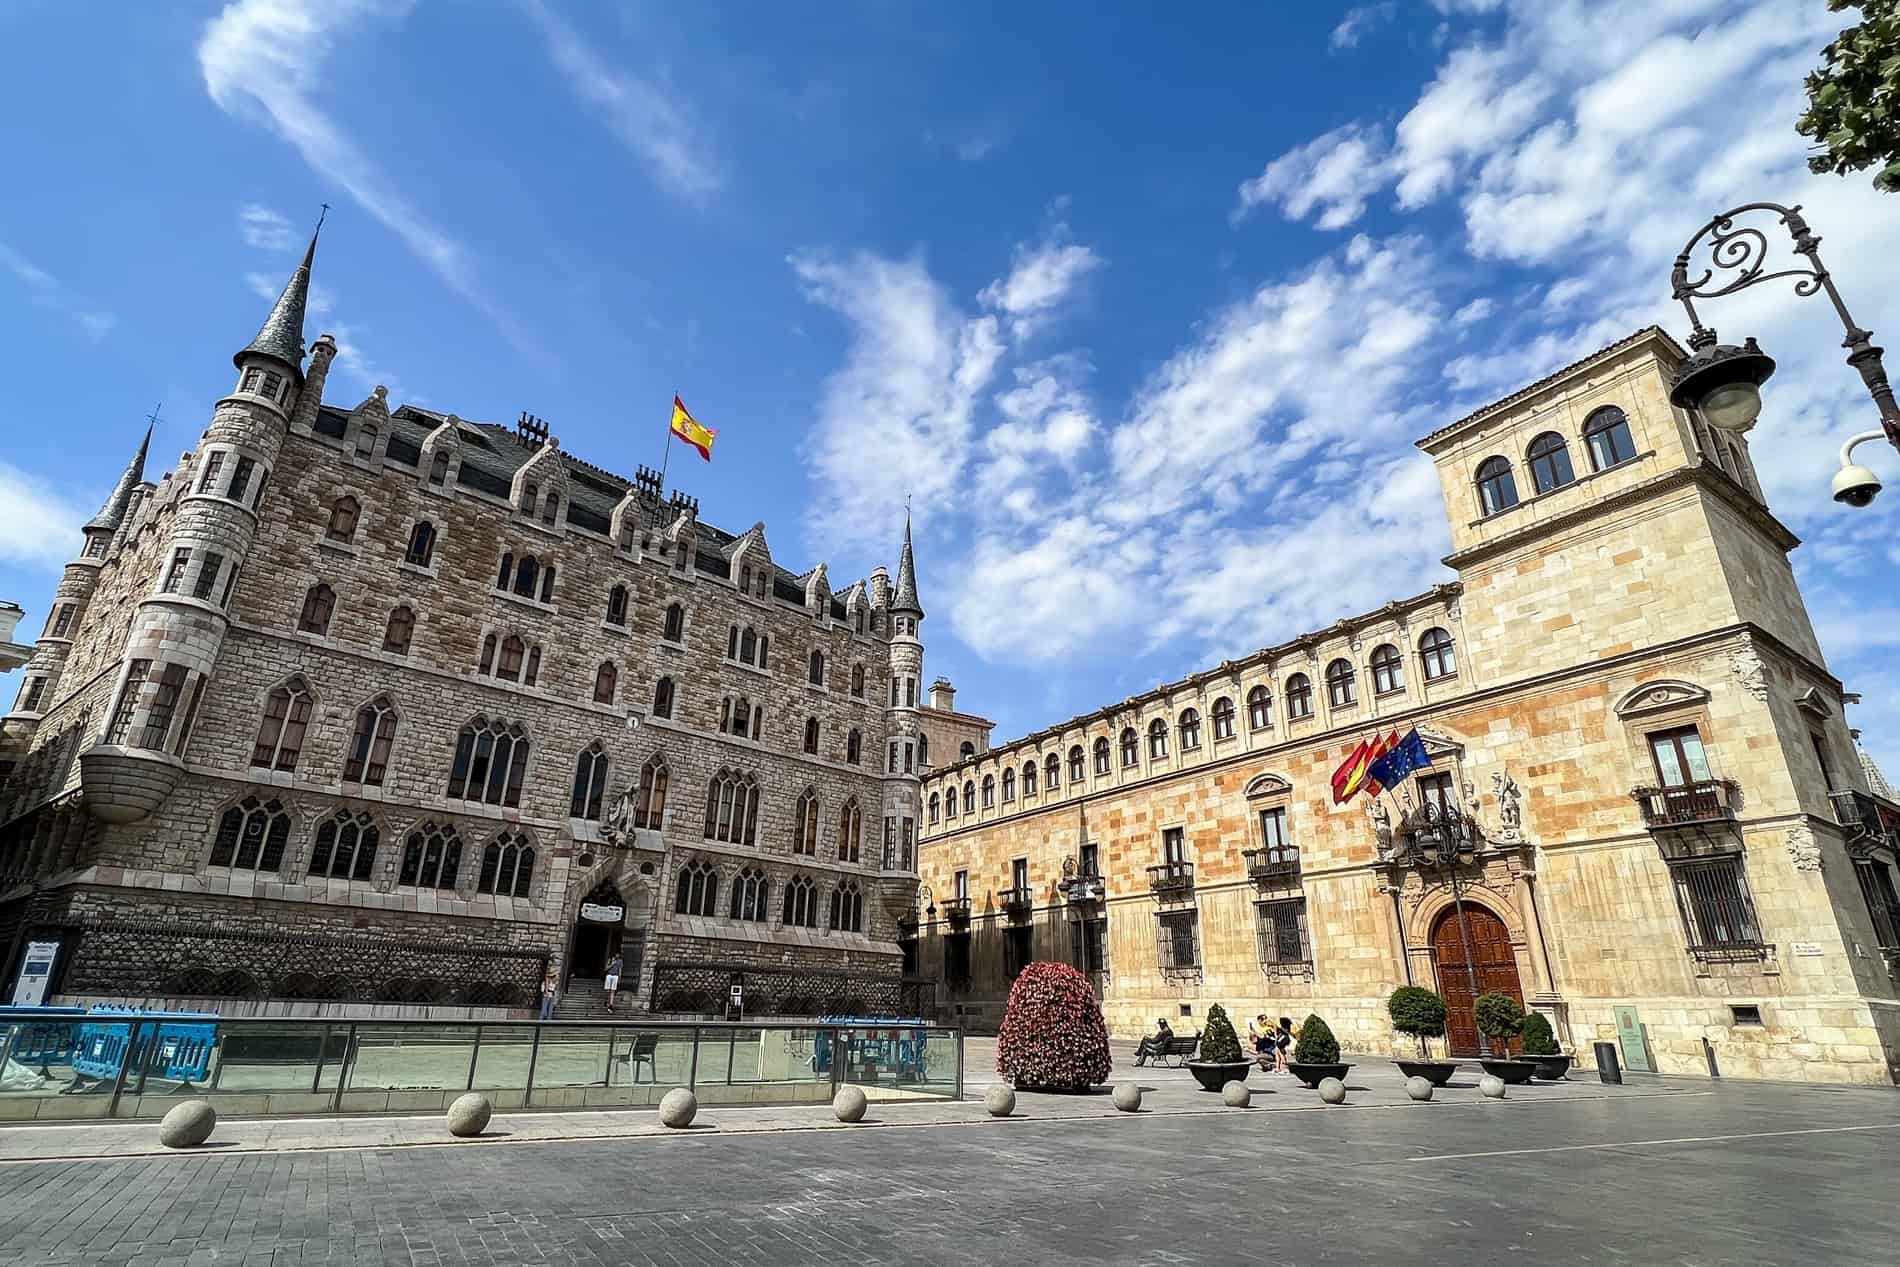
1157	1043
1263	1032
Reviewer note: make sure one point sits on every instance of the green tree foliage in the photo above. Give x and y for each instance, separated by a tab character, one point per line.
1854	99
1498	1015
1538	1040
1219	1044
1317	1046
1417	1011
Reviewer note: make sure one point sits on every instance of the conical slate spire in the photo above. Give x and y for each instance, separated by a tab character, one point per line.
112	514
281	335
1875	779
905	599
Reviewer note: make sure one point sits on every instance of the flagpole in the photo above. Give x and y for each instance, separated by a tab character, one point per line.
667	454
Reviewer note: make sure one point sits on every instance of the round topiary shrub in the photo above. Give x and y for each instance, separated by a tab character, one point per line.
1538	1040
1220	1045
1317	1046
1418	1012
1499	1016
1052	1037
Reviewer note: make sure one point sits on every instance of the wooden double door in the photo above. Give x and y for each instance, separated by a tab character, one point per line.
1492	962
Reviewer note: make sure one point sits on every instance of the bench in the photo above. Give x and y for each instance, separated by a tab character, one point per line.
1173	1051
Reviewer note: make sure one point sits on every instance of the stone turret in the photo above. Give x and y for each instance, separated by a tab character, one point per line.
903	756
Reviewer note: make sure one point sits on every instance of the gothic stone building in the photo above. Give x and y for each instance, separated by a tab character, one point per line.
360	707
1643	797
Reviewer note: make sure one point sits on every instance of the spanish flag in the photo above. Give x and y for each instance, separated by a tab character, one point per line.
687	428
1354	774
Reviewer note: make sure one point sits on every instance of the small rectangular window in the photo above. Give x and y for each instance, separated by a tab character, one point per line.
30	701
1174	845
273	385
1679	756
62	620
213	465
128	701
240	479
208	575
175	574
230	583
1280	930
158	719
1744	1013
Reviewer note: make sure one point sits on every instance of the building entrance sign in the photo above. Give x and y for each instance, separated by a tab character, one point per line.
600	913
36	972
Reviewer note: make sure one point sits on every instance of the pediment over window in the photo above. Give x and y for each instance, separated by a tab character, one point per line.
1267	785
1439	744
1813	703
1660	694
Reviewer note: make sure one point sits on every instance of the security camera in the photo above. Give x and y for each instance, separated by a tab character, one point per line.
1855	486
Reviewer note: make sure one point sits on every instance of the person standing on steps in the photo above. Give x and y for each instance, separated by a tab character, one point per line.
613	979
550	990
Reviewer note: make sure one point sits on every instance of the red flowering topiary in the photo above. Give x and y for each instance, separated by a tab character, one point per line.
1052	1038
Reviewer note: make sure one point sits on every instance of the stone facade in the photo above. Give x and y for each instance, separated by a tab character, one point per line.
324	623
950	735
1189	849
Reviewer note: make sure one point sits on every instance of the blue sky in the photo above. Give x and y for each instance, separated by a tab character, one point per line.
1142	314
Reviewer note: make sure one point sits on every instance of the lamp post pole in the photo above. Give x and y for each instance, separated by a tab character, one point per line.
1445	853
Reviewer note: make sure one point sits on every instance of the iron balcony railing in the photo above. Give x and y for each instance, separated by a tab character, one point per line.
1858	812
1266	865
1016	901
957	910
1687	804
1171	877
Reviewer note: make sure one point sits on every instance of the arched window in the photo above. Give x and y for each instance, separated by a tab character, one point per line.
286	718
1550	462
1157	739
815	668
748	645
590	783
530	495
513	649
1190	730
1607	433
847	908
811	736
965	750
1102	757
649	800
1029	778
343	516
431	858
1223	719
1051	773
732	808
439	468
487	662
1388	669
1342	686
551	509
696	890
1299	696
674	627
345	847
1009	786
936	807
606	680
547	583
857	681
1131	748
750	893
805	824
319	604
617	605
421	544
950	801
663	698
850	831
491	759
251	836
969	796
1497	487
854	747
507	866
989	791
370	742
527	572
1075	763
400	629
1259	708
506	572
1435	654
801	903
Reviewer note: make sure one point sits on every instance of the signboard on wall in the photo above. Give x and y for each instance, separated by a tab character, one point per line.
598	914
1634	1042
36	973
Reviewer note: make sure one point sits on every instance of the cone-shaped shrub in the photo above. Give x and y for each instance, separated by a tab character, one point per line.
1498	1015
1052	1037
1317	1046
1418	1012
1219	1044
1538	1040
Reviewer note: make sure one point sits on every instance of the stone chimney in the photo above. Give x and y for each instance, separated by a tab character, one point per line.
943	696
10	614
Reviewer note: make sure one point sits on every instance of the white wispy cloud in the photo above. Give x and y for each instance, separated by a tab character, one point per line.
1359	20
1042	277
647	116
265	228
1333	175
43	290
39	525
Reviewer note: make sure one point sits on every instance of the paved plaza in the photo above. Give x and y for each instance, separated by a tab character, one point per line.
1658	1171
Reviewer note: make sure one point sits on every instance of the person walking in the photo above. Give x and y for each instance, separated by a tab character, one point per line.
613	979
550	990
1282	1043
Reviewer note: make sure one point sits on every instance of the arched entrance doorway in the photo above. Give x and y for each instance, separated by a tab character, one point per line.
1492	961
598	928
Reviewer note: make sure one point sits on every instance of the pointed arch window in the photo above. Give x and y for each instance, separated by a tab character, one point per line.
617	606
370	742
1104	757
286	718
1436	654
854	747
1009	787
805	824
1607	435
857	681
1342	684
801	903
486	665
439	468
1388	669
1550	462
606	682
431	858
663	698
1076	763
530	496
1157	739
590	783
989	791
1029	778
319	604
815	668
507	866
847	908
751	895
696	889
1190	724
507	570
345	847
547	584
1223	719
1259	708
344	513
1131	748
1299	696
551	509
732	808
673	628
251	836
1497	487
491	761
400	629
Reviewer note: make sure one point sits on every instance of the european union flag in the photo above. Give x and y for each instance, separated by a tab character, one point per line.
1391	769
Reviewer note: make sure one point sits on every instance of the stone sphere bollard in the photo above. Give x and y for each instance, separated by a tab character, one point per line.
188	1125
678	1107
849	1104
1332	1090
1000	1099
468	1116
1419	1088
1492	1087
1128	1097
1236	1095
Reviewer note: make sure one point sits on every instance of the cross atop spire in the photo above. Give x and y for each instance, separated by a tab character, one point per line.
281	335
905	600
112	514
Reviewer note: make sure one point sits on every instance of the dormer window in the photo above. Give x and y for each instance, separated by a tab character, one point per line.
530	499
551	510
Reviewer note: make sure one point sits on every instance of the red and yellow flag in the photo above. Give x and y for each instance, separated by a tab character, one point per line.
687	428
1354	773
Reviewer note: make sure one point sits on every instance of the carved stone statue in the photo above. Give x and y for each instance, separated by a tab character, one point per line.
1068	868
1471	799
1510	809
1381	824
617	827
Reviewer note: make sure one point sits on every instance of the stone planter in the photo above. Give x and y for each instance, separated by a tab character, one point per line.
1551	1068
1512	1073
1215	1074
1436	1072
1311	1075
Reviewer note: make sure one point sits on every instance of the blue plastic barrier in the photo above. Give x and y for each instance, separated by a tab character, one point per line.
183	1045
891	1050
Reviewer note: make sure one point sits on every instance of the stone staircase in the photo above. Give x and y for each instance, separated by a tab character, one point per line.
587	1001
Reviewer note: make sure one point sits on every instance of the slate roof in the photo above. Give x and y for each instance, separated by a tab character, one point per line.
281	335
112	514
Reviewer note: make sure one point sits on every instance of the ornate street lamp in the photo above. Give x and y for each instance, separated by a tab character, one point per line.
1445	840
1723	382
